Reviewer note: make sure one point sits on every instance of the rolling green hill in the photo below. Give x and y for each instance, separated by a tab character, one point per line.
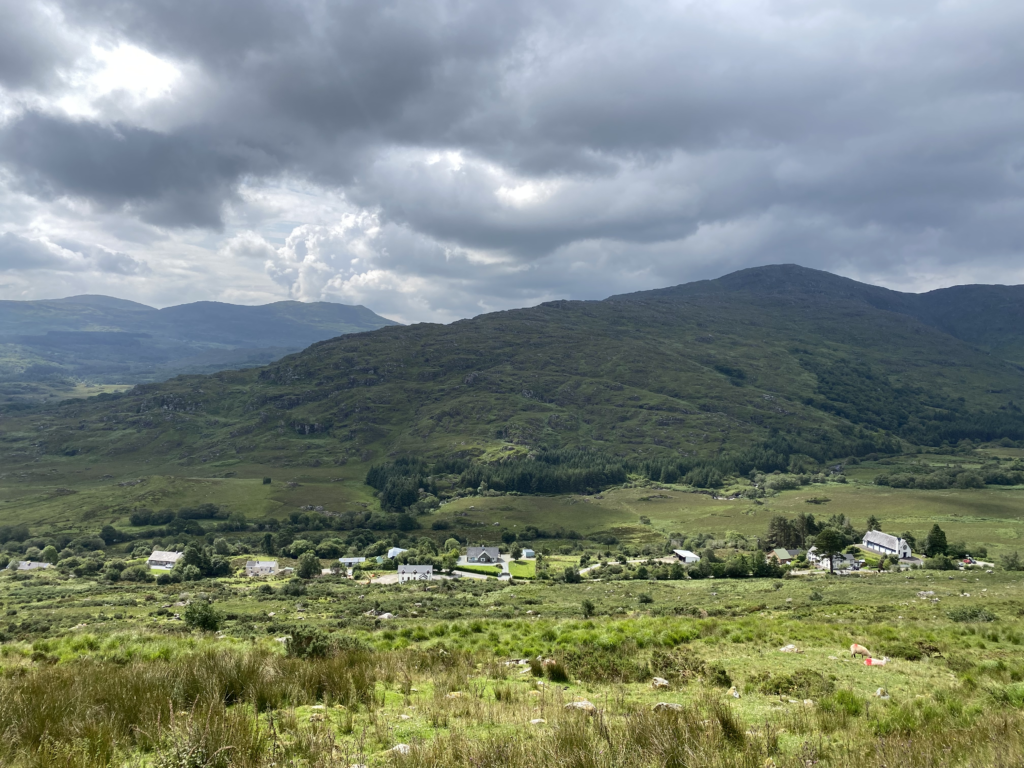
49	347
697	373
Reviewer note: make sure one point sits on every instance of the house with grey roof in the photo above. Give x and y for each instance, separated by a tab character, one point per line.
260	567
415	573
31	565
886	544
162	560
483	555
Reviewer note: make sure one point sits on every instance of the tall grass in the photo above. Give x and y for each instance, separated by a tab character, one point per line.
247	707
98	709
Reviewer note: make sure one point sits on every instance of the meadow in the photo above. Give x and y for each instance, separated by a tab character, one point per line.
481	673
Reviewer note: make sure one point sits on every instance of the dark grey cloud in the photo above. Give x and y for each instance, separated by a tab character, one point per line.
178	179
32	46
492	151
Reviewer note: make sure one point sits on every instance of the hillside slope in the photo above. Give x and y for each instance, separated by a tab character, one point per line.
45	346
667	375
990	317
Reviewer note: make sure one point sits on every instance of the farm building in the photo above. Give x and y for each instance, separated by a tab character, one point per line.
163	560
260	567
886	544
351	562
31	565
686	556
483	555
415	573
395	552
529	554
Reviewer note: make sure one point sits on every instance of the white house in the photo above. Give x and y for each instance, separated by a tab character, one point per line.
31	565
486	555
415	573
529	554
686	556
260	567
395	552
163	561
886	544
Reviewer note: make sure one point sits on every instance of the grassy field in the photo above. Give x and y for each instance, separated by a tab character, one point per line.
444	676
49	499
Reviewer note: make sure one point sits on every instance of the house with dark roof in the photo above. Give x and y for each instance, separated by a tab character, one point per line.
483	555
886	544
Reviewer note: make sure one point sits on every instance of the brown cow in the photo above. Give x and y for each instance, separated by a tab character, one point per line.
859	650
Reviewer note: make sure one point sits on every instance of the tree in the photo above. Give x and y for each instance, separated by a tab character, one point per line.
49	554
874	524
910	538
572	576
830	542
517	552
452	544
110	534
1012	562
935	544
309	566
783	533
588	609
200	614
736	568
269	547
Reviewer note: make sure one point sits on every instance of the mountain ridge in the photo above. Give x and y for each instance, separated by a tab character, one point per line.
50	346
954	310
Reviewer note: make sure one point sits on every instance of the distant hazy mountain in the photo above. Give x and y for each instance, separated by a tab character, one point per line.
48	346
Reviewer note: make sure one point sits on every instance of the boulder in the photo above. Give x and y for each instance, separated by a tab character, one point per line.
582	706
659	682
666	706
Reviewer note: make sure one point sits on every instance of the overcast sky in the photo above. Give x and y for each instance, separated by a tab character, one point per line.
435	160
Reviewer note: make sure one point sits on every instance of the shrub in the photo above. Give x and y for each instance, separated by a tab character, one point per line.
645	598
588	608
970	613
556	672
200	614
294	588
309	643
136	573
803	683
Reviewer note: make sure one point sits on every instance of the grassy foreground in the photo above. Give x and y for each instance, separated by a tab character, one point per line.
444	677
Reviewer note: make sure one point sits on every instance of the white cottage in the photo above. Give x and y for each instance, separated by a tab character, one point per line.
886	544
260	567
415	573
